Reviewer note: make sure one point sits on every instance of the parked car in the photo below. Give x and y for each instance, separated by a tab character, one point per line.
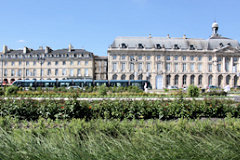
172	87
213	87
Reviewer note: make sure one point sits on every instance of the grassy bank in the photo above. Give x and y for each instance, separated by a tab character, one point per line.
101	139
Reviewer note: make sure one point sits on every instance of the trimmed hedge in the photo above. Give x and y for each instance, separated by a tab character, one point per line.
59	109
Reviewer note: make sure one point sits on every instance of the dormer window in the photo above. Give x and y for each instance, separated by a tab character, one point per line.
221	44
229	44
192	47
140	46
158	46
123	45
176	46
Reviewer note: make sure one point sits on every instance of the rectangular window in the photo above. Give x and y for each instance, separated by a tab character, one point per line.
192	58
49	63
5	72
210	58
56	72
192	67
5	63
140	67
20	63
34	72
19	72
158	57
199	67
176	58
148	67
63	62
148	57
234	67
219	59
71	72
139	57
34	63
85	72
79	63
123	57
227	66
131	67
13	63
114	67
168	58
199	58
42	71
12	72
64	72
168	66
131	58
114	57
209	67
123	66
86	63
79	72
175	67
56	63
27	72
235	59
184	58
27	63
71	63
159	67
219	67
184	67
49	72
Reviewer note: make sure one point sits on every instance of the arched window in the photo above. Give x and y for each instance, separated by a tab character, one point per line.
220	78
176	80
228	79
123	77
200	80
184	79
210	80
114	77
140	77
131	77
168	80
235	80
192	79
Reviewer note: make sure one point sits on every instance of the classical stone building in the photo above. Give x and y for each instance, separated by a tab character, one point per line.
46	64
101	68
176	61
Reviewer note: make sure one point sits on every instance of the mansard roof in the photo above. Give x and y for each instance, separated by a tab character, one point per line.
169	43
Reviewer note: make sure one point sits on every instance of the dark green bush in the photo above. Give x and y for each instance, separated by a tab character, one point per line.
193	91
102	90
11	90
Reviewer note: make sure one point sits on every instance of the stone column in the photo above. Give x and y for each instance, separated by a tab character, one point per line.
231	65
180	81
223	64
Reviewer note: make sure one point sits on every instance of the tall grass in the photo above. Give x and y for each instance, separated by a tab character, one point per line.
144	140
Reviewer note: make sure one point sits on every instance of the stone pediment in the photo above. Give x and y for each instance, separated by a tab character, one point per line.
228	49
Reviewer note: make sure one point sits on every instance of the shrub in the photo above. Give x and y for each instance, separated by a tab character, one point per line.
1	91
11	90
102	90
193	91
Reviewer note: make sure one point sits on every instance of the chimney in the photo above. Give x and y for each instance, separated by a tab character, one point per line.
70	48
25	50
184	36
5	49
47	49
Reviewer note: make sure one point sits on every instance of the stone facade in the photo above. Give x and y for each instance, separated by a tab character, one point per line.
176	61
101	67
54	64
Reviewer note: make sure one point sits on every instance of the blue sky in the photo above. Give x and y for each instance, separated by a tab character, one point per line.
94	24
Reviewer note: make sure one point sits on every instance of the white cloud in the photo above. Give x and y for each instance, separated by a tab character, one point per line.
21	41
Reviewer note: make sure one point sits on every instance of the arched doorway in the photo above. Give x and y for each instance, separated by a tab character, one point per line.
228	79
235	80
220	78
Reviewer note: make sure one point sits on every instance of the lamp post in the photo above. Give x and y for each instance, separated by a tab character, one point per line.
41	60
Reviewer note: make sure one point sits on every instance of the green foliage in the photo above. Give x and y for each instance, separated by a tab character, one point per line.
101	139
11	90
193	91
39	89
107	109
1	91
215	93
102	90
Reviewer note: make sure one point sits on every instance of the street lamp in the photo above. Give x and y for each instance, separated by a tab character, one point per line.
41	60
